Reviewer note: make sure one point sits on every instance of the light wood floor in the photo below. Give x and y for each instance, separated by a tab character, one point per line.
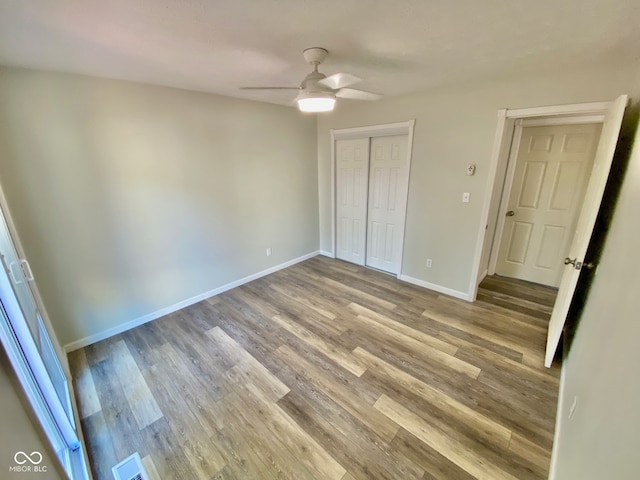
325	370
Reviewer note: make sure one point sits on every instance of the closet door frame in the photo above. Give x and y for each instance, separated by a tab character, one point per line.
399	128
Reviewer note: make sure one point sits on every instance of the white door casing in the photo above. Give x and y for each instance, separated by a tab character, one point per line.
388	184
548	180
352	167
586	221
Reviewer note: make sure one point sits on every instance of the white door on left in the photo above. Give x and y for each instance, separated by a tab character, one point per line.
352	173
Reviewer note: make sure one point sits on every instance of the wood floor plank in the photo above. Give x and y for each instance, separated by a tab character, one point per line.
328	370
242	461
247	368
458	454
538	456
359	295
123	428
193	392
484	426
169	458
343	396
297	440
295	309
436	466
190	431
502	339
433	342
357	449
150	468
88	401
344	359
436	355
143	404
99	445
258	426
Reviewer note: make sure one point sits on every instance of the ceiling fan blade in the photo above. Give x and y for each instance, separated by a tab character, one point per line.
269	88
357	94
339	80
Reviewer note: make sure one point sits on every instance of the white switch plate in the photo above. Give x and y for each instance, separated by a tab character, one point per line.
269	252
428	264
465	197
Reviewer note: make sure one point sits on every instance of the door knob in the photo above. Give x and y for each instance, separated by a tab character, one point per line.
579	265
510	213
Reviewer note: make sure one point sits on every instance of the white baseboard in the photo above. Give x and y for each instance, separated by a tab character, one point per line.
436	288
123	327
483	276
327	254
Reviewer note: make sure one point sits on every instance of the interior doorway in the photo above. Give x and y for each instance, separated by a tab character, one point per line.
370	189
610	115
549	168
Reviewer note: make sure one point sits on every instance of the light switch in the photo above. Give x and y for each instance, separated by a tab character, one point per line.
465	197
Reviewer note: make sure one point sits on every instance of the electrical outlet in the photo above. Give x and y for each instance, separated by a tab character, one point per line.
465	197
269	252
572	409
428	264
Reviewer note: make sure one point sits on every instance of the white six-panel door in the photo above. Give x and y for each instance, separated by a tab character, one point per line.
388	185
586	222
551	174
352	180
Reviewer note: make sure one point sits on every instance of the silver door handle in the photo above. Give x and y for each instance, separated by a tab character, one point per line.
579	265
510	213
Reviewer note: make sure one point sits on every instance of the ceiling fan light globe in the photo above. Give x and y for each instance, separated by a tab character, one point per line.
316	101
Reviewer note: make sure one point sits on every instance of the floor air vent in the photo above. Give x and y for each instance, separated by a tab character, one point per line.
130	469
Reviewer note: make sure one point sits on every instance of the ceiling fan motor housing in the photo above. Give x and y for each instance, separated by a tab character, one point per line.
310	83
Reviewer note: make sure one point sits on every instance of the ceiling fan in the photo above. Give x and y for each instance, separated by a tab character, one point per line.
317	92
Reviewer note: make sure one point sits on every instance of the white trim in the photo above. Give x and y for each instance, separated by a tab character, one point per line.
436	288
412	124
500	154
333	193
482	276
560	120
136	322
498	145
327	254
399	128
559	417
371	131
596	108
507	185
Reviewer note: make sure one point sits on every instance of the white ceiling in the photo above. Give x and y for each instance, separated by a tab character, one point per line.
397	46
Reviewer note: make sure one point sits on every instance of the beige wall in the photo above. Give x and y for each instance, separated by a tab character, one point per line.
18	431
455	126
602	368
129	198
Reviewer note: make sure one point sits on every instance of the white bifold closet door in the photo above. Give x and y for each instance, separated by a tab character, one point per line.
372	184
352	180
